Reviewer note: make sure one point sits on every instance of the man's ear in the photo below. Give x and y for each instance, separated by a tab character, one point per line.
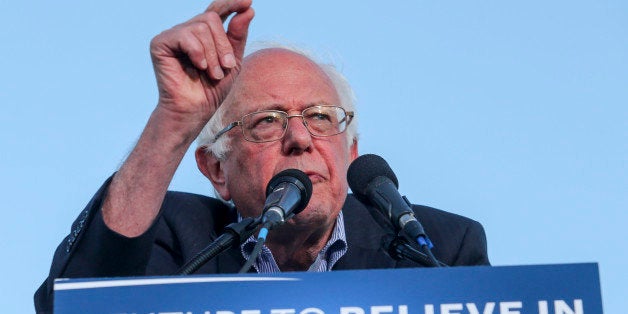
353	150
211	168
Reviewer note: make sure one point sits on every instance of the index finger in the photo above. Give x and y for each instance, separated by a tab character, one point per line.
224	8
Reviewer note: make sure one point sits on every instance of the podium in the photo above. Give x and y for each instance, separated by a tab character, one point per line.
539	289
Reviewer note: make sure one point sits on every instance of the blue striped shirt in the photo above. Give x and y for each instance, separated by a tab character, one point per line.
333	250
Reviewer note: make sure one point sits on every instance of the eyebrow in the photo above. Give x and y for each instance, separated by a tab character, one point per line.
282	107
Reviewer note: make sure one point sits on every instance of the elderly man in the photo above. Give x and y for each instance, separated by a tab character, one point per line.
256	116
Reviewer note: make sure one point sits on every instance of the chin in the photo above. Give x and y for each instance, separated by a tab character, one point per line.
314	216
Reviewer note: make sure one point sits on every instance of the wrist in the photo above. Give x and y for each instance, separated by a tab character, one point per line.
175	128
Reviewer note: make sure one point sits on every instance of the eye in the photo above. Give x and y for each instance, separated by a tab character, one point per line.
319	116
266	119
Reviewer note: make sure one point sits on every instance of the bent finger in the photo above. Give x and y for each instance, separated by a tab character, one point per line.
177	41
224	8
221	42
202	34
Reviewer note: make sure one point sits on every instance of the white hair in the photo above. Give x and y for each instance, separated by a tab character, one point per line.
221	147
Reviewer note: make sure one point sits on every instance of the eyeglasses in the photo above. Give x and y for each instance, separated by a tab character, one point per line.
270	125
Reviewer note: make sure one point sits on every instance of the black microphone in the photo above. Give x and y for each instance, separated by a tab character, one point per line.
287	194
371	178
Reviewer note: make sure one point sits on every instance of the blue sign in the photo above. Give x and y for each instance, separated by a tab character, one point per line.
545	289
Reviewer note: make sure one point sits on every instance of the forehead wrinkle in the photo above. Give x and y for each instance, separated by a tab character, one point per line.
284	107
269	79
247	101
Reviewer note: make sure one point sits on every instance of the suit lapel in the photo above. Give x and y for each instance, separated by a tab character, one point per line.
364	238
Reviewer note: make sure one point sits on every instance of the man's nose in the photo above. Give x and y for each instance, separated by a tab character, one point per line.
297	139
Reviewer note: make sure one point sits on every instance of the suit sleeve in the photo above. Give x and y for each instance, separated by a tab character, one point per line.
458	240
93	250
473	250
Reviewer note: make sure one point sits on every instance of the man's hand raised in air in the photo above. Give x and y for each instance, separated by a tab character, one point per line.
195	65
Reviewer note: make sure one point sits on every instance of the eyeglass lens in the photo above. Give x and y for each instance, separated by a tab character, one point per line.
271	124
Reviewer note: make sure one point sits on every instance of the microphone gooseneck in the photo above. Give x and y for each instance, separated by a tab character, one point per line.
235	234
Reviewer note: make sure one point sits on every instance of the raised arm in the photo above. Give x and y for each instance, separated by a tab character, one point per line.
195	65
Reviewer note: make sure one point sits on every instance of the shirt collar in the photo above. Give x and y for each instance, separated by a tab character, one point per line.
334	249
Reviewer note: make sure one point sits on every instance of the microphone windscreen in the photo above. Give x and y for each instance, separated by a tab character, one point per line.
296	177
365	169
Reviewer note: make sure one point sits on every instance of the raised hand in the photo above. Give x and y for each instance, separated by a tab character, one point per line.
196	62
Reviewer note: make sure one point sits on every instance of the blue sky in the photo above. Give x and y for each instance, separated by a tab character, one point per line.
513	113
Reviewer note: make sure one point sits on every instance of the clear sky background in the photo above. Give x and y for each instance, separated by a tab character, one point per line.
513	113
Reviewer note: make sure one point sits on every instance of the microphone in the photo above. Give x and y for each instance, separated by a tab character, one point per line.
287	194
371	178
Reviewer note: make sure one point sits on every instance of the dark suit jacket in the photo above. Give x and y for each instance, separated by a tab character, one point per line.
189	222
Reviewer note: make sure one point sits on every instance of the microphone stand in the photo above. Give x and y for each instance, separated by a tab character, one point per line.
235	233
398	248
